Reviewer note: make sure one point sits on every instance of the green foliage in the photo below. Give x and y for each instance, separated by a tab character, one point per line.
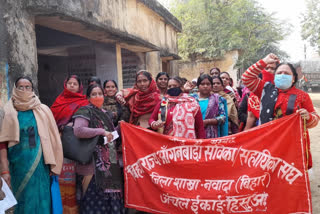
213	27
311	23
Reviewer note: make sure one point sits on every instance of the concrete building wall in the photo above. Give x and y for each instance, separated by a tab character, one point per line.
106	62
154	63
139	26
119	19
191	70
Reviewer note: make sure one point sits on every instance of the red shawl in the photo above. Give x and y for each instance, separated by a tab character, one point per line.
303	100
66	104
140	102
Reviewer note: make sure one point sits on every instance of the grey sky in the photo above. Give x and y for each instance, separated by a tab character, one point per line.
290	11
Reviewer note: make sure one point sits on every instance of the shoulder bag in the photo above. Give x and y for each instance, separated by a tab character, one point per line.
78	149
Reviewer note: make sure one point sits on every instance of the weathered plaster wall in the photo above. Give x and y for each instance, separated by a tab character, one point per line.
3	58
3	82
190	70
174	68
126	21
21	51
137	25
154	63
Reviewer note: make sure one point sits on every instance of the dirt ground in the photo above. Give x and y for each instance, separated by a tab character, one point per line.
314	173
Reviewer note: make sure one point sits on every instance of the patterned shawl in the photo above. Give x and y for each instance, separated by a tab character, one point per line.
107	168
232	110
183	116
212	112
118	111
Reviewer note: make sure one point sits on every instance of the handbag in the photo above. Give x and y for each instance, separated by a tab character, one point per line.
55	195
78	149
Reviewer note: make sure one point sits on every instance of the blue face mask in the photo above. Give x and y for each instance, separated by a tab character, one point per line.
283	81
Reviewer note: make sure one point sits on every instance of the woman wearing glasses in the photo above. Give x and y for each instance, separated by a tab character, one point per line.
30	149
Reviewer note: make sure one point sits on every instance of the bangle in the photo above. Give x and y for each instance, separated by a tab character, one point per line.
5	172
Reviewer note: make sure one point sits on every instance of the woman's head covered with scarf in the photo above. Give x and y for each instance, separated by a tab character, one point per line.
24	99
23	96
73	84
143	97
143	80
69	101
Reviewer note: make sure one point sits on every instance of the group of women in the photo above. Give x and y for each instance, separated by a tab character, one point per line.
96	186
30	145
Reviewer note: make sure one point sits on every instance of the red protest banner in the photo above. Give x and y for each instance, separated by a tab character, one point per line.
262	170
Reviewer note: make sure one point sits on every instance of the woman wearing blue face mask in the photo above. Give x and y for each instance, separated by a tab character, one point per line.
282	98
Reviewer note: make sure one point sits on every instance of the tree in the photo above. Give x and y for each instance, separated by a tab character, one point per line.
311	23
213	27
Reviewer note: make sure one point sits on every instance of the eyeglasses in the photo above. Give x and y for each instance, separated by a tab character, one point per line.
27	88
